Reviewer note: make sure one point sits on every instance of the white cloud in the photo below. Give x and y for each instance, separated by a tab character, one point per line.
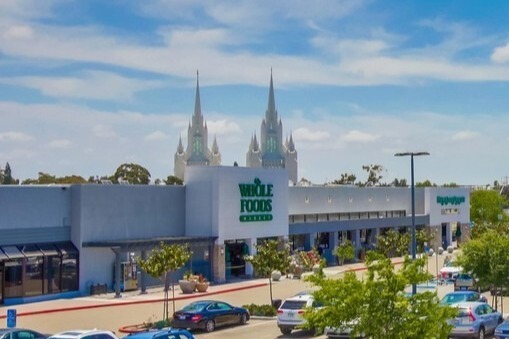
15	136
358	136
18	32
465	135
223	127
59	143
304	134
501	54
157	136
104	131
91	85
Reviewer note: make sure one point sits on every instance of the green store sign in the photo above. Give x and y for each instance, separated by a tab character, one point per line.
453	200
255	201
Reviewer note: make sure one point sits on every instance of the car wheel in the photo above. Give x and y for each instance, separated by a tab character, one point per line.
285	330
210	325
243	319
480	334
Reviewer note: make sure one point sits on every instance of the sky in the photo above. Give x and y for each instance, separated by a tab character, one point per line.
88	85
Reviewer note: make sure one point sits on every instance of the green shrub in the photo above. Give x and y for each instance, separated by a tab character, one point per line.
261	310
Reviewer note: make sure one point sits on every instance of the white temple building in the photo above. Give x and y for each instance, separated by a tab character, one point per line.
270	153
273	153
198	152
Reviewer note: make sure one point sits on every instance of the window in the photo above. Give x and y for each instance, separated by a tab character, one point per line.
13	274
69	267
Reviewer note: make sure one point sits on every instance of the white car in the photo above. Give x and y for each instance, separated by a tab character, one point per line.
450	271
289	314
84	334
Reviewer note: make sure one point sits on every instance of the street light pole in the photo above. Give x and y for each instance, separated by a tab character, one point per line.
414	245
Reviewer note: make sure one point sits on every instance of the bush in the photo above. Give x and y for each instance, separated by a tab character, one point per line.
261	310
160	324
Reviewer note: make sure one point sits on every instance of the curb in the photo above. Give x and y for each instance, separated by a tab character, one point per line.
85	307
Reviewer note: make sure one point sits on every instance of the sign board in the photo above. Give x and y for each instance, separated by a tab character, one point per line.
11	318
256	201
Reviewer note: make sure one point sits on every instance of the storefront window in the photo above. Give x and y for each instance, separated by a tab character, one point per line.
33	270
69	268
13	273
52	262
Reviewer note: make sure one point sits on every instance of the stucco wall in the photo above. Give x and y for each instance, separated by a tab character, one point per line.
121	212
34	206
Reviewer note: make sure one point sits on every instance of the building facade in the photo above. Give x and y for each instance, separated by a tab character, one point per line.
60	241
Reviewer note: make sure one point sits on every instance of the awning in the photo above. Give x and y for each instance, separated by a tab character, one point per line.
48	249
12	252
30	251
148	244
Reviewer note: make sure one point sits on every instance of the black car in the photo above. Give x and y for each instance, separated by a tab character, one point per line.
209	314
20	333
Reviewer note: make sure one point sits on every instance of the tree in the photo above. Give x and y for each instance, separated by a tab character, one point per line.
345	251
7	178
393	243
487	207
173	180
487	257
270	257
346	179
425	183
377	306
132	173
162	262
451	184
46	179
399	183
421	237
374	174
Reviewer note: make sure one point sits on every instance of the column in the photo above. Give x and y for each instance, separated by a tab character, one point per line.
252	251
309	241
356	239
333	244
218	264
117	273
333	240
143	275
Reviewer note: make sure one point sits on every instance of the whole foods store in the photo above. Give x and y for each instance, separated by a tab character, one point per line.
59	241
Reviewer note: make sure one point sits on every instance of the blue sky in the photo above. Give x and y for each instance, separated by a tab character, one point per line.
88	85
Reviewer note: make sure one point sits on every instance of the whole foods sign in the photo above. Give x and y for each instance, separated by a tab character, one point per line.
453	200
255	201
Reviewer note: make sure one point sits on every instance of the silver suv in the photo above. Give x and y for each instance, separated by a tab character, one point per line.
289	314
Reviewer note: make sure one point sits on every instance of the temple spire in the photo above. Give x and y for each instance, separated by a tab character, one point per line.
197	105
272	103
180	148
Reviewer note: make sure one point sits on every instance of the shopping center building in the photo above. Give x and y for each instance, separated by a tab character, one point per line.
67	240
58	241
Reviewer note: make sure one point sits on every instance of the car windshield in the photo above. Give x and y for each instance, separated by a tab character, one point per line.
195	307
293	305
453	298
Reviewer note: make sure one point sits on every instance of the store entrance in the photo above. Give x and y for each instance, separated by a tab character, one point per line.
235	250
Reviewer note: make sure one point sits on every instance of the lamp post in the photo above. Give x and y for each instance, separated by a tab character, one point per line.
412	155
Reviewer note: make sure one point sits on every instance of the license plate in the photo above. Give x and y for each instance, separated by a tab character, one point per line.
182	317
290	314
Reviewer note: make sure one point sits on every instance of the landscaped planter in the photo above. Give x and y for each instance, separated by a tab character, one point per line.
202	286
276	275
187	286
